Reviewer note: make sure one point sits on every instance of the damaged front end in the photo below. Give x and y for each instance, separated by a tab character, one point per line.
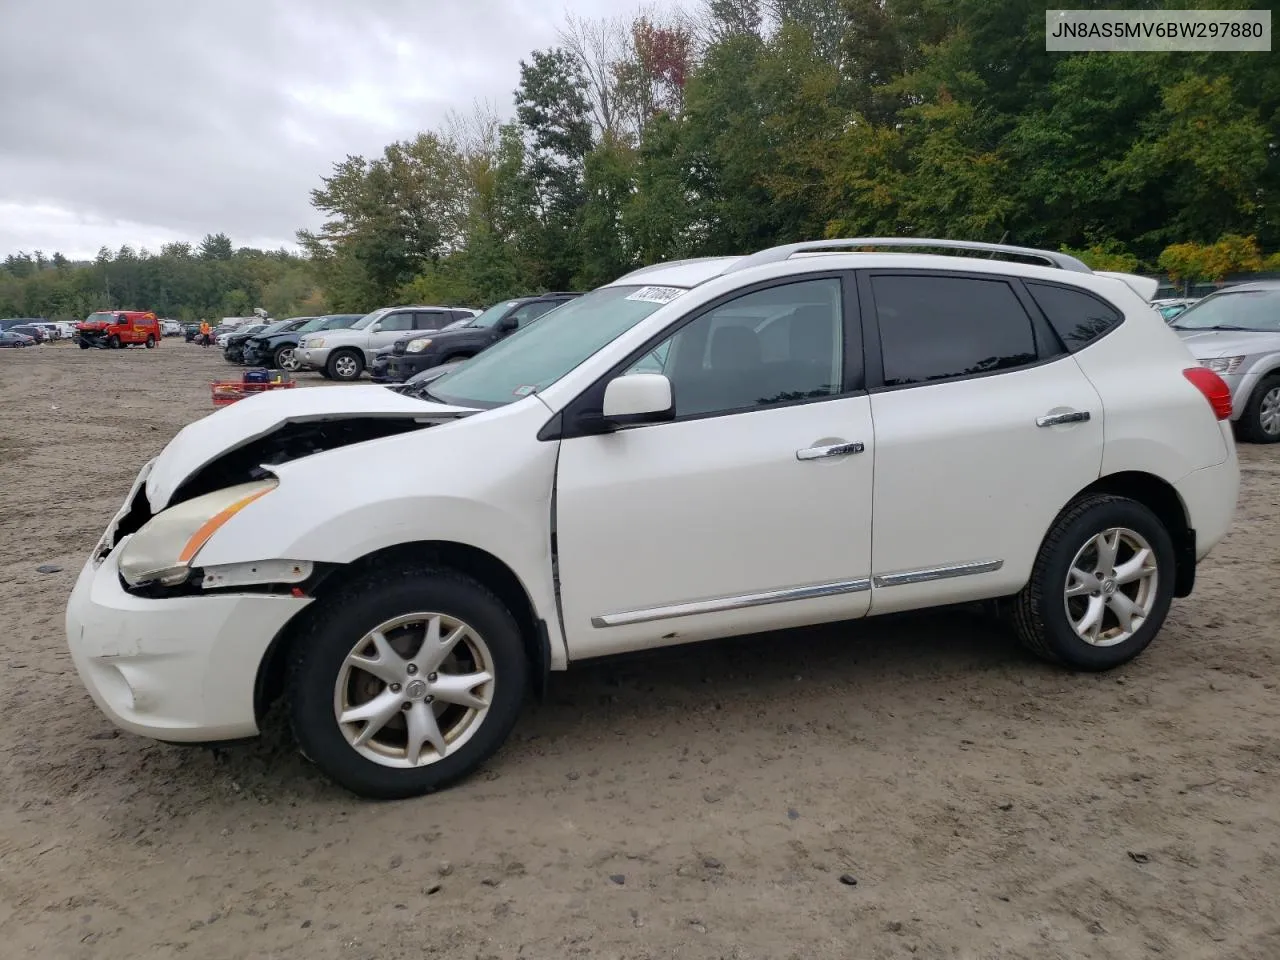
93	336
220	464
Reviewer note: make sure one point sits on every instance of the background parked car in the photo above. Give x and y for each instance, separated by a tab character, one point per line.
277	350
234	341
10	339
379	369
36	333
10	322
1172	307
413	354
170	328
344	354
1235	332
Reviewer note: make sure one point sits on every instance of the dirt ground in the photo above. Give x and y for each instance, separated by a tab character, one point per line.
699	803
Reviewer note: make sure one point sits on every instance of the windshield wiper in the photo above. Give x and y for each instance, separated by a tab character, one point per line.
1220	326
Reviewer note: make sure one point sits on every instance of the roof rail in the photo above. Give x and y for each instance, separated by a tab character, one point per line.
640	271
1062	261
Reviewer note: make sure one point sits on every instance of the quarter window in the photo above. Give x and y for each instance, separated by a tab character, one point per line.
779	345
431	321
936	328
1077	317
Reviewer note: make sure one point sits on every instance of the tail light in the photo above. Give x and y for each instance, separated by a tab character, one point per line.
1213	387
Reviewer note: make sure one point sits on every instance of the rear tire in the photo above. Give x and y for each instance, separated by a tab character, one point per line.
151	342
1260	421
1059	609
470	719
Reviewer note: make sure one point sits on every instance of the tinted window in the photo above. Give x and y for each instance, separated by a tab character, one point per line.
532	311
1077	317
461	314
433	320
773	346
397	321
932	328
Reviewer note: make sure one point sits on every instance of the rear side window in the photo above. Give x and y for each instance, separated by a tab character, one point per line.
1077	317
938	328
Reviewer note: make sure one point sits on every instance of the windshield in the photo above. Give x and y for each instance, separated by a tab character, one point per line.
100	318
368	318
492	315
271	327
1257	310
533	358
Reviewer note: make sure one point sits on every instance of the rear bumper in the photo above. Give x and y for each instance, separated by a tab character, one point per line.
1210	496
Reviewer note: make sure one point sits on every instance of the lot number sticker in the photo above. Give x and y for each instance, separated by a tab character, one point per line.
657	294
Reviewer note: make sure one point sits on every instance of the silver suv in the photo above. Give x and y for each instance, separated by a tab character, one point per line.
1236	334
344	354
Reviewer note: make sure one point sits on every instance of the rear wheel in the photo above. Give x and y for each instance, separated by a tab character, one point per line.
345	365
286	359
1101	587
1260	420
151	342
407	681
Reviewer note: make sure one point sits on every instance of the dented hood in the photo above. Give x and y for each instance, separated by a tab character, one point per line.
200	443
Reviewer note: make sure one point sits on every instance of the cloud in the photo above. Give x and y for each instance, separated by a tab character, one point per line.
146	121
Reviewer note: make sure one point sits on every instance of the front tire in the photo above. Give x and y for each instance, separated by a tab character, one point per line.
285	359
345	365
1101	586
1260	420
113	343
406	681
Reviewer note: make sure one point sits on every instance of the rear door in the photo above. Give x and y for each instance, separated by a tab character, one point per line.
985	428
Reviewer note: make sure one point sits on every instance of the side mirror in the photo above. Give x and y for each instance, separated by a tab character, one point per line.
507	324
376	326
638	398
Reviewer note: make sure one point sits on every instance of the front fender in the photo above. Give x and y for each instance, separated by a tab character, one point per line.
485	482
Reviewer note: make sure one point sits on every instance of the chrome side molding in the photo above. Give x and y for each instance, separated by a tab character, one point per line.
721	604
936	573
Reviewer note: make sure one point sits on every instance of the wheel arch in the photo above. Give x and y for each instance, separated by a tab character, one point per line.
1160	497
472	561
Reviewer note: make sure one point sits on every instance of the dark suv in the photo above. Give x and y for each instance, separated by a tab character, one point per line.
416	352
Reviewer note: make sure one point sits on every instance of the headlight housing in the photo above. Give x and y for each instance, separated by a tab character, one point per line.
313	344
1222	365
167	543
417	346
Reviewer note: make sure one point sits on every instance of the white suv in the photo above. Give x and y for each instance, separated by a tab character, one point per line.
344	354
700	449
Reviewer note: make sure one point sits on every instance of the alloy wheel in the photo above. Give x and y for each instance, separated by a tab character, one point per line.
414	689
1269	412
346	367
1111	587
287	360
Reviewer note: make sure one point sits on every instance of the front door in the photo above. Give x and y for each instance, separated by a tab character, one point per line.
985	428
752	509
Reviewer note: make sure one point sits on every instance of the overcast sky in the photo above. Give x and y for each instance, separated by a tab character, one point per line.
147	121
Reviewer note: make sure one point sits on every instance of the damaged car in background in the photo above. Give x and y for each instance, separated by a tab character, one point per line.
696	450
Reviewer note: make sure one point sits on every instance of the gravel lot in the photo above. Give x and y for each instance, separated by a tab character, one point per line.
698	803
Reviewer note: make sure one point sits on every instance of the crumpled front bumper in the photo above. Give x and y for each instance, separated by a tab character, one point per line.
180	669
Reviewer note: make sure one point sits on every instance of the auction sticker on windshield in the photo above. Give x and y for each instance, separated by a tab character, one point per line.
657	294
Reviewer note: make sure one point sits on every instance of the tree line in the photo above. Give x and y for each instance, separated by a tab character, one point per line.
182	282
732	125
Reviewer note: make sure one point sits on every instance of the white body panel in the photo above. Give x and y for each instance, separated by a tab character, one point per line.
713	510
954	461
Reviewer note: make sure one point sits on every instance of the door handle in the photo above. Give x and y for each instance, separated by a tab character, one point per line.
1054	419
830	450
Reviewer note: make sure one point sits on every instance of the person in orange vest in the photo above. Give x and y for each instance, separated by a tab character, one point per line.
205	330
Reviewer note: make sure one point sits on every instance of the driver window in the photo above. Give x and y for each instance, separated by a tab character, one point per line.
773	346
